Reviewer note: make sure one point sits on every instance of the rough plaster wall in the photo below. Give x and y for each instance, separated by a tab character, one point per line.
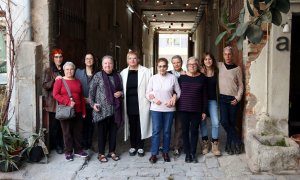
279	74
258	81
40	27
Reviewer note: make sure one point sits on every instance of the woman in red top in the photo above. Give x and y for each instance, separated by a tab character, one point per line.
71	128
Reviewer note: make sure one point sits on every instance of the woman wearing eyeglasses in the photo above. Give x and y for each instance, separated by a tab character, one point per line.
54	72
162	91
192	107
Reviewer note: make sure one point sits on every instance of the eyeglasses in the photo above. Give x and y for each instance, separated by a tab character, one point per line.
57	56
192	64
163	66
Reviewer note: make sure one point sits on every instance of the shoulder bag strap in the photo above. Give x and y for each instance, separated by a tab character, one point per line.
67	88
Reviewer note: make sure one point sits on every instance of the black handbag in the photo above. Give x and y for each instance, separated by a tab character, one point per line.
64	112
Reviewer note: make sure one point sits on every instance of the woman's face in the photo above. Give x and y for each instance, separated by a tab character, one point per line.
192	66
176	64
162	68
132	60
227	55
208	62
107	65
89	60
69	71
58	59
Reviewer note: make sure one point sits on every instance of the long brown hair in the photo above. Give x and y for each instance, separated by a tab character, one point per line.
214	63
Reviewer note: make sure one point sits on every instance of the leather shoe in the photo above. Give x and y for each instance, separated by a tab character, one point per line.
166	157
187	158
59	150
153	159
193	158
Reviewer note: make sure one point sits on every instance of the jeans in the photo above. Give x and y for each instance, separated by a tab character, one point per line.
190	126
161	121
213	114
228	114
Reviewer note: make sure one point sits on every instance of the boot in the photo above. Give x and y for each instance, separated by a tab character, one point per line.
205	147
215	148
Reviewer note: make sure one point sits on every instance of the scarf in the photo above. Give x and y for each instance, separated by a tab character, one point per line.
110	89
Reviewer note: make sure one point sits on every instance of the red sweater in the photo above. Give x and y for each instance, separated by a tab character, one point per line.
60	93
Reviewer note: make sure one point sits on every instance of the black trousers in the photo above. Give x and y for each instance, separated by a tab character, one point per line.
190	124
88	129
55	132
107	127
135	132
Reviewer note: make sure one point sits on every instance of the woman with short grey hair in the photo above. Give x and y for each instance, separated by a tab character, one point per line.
105	96
71	128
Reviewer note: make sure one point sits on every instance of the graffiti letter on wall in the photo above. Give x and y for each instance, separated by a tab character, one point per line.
283	44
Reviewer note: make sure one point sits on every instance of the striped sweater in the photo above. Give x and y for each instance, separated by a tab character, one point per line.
193	94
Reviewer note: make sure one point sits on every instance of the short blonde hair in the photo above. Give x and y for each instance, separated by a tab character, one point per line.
69	63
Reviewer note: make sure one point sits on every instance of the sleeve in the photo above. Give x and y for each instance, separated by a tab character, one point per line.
205	97
83	104
93	90
48	80
240	84
149	88
57	93
177	88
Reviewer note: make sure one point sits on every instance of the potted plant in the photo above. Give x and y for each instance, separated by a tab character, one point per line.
11	146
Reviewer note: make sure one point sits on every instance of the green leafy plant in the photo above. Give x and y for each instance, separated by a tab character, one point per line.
11	146
261	11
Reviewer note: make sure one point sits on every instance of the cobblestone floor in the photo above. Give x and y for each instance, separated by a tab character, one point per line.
209	167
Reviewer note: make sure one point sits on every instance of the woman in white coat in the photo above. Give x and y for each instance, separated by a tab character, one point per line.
136	107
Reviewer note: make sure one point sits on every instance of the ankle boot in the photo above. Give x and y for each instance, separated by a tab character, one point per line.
205	147
215	148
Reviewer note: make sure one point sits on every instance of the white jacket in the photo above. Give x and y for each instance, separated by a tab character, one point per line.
144	75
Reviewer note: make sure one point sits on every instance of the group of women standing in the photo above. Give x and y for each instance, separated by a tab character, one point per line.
146	105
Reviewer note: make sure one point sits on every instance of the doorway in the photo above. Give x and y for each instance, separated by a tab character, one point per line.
294	103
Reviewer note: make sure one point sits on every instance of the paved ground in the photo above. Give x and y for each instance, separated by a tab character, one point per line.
209	167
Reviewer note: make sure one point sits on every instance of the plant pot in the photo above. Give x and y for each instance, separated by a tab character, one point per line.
11	167
296	138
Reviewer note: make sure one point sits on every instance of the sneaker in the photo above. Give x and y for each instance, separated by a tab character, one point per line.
161	149
69	157
132	152
176	152
141	152
81	154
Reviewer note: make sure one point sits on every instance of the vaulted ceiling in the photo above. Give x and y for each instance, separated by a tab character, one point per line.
165	16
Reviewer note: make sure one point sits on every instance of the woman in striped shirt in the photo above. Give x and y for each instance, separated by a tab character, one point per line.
192	106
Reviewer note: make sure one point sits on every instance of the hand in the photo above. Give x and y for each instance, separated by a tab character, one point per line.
156	101
234	102
171	102
83	116
96	107
87	100
72	103
118	94
58	77
151	96
203	116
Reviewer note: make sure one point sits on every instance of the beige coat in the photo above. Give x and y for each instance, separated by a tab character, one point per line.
144	75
